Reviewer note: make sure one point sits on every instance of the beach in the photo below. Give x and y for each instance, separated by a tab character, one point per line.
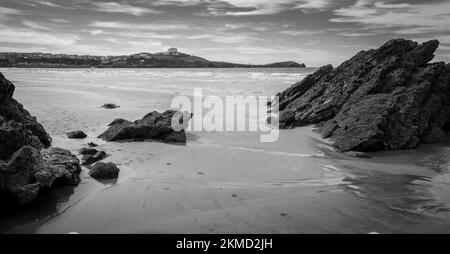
219	182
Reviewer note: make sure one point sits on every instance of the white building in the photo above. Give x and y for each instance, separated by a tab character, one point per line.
172	51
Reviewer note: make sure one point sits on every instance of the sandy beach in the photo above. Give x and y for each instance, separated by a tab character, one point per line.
220	182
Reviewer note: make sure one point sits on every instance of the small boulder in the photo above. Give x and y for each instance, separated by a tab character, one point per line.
110	106
30	170
92	144
88	151
63	164
76	135
154	126
91	159
104	171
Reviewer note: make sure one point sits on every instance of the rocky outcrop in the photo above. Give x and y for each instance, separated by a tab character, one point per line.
384	99
89	159
92	144
29	171
27	165
64	166
76	135
104	171
110	106
13	112
154	126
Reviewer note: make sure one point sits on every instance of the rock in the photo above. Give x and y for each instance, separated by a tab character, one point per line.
64	165
119	121
13	136
29	171
88	151
154	126
385	99
92	144
110	106
104	171
76	135
26	165
90	159
17	176
11	110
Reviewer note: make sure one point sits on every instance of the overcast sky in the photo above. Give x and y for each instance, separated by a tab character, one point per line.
315	32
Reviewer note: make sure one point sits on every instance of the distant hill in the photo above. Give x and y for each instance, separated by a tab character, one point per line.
141	60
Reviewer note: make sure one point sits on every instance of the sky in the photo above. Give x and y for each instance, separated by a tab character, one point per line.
314	32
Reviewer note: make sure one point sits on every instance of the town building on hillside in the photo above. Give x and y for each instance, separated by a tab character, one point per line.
172	51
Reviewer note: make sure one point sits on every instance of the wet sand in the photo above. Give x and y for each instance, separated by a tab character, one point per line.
225	182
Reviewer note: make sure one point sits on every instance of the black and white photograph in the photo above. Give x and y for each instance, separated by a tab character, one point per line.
236	117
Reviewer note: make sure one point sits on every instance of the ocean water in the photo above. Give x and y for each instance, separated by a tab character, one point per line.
220	182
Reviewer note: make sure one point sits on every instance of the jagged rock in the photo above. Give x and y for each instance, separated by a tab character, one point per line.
110	106
26	167
384	99
76	135
18	175
64	165
92	144
119	121
91	159
104	171
88	151
13	136
29	171
11	110
154	126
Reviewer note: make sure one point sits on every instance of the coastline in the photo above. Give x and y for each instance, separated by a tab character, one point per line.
219	182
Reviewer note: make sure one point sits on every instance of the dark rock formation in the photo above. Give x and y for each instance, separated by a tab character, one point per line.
154	126
11	110
63	164
104	171
26	167
92	144
29	171
76	135
384	99
93	158
88	151
110	106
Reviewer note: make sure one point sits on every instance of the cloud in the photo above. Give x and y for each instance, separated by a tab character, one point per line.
29	36
47	3
251	7
114	46
95	32
355	34
180	3
133	26
399	18
6	12
32	24
301	32
133	34
114	7
9	11
62	21
226	38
